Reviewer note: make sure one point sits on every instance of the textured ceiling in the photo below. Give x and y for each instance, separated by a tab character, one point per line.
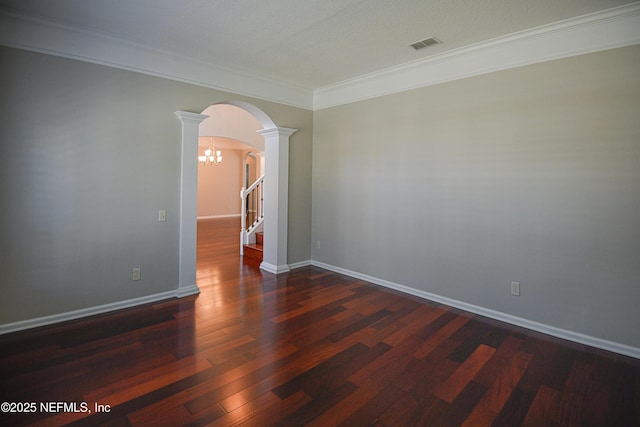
310	43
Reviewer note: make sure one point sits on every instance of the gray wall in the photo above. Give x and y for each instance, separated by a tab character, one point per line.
529	175
89	155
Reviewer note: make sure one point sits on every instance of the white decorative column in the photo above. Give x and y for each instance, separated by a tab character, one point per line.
276	201
188	202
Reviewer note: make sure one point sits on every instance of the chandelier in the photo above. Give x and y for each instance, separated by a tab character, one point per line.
211	156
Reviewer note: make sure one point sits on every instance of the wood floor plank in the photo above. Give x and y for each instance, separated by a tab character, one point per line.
458	410
275	411
374	334
345	408
245	412
452	387
333	372
414	322
238	399
400	413
133	387
370	412
440	336
357	326
544	409
573	394
310	347
499	391
515	409
312	305
198	397
316	407
387	362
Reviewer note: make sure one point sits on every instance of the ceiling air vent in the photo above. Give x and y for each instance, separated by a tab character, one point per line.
425	43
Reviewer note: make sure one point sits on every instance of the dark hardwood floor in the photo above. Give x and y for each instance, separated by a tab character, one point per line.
310	347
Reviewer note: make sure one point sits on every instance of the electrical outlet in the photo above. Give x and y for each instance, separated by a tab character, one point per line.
136	274
317	244
515	288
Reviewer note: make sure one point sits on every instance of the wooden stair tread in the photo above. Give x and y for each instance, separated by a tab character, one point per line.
253	250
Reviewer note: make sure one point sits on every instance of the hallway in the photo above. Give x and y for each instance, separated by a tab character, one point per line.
218	257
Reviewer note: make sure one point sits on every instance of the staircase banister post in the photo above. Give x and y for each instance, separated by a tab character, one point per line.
243	209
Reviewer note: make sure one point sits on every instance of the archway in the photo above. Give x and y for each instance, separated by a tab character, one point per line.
234	132
276	201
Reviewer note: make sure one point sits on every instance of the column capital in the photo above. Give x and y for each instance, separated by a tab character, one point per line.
277	131
189	117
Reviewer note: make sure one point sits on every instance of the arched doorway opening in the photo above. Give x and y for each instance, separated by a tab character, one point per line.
276	203
234	133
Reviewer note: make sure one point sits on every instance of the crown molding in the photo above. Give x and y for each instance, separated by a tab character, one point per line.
594	32
54	39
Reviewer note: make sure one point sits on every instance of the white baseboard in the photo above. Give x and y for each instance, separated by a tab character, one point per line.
493	314
300	264
275	269
91	311
219	216
187	291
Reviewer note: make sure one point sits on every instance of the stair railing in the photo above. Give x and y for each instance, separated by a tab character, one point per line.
252	210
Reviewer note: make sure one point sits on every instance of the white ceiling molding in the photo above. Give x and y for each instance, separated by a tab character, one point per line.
609	29
54	39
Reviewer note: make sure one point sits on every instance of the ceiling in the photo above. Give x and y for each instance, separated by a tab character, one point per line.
309	44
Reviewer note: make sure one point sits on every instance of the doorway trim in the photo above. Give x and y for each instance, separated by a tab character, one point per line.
188	203
276	199
276	202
